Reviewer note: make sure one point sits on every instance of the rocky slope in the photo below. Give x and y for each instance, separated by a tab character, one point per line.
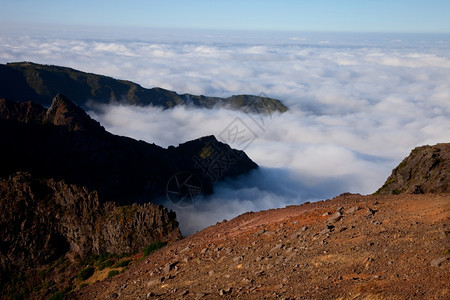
425	170
40	83
350	247
43	219
63	142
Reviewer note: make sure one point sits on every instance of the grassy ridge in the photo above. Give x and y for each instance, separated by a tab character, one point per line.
29	81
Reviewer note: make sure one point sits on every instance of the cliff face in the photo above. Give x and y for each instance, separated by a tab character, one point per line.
63	142
425	170
43	219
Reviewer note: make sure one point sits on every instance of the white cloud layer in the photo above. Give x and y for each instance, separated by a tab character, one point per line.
358	105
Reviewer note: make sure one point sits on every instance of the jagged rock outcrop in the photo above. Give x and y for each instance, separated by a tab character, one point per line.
39	83
425	170
42	219
63	142
62	112
25	112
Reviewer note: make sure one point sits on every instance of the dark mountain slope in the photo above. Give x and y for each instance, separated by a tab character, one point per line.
43	219
63	142
425	170
39	83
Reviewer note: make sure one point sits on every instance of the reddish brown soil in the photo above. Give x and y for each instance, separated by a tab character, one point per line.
377	247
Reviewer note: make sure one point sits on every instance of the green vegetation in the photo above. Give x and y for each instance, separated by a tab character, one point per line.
46	81
447	252
86	273
59	295
42	283
106	264
391	179
112	273
122	263
153	247
396	192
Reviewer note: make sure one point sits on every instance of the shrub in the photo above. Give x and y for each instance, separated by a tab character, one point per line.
153	247
86	273
105	264
122	263
112	273
104	256
83	285
59	295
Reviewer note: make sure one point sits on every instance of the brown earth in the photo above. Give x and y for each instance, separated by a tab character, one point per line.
350	247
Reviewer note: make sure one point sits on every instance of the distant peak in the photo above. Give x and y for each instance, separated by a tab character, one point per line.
63	112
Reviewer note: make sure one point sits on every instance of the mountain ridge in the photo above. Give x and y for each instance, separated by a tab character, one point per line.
63	142
39	83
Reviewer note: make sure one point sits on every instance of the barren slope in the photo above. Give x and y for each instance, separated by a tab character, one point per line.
351	247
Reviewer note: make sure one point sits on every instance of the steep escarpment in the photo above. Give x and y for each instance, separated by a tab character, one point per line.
63	142
30	81
425	170
43	219
50	231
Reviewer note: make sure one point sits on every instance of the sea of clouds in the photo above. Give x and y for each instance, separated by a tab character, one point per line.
357	104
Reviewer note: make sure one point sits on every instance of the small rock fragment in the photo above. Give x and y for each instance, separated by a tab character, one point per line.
438	261
335	217
352	209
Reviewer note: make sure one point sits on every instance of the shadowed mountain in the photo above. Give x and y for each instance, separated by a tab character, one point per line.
73	219
40	83
63	142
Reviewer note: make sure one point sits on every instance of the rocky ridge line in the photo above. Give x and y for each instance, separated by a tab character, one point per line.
425	170
63	142
39	83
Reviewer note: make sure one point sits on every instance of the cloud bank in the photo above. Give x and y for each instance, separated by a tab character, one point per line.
358	105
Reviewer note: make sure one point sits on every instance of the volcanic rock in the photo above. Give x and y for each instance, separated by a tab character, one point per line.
425	170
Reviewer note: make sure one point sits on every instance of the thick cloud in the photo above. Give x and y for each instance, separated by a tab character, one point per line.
358	105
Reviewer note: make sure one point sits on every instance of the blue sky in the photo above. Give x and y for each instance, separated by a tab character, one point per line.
317	15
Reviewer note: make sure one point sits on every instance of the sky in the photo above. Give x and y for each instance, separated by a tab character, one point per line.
358	102
284	15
